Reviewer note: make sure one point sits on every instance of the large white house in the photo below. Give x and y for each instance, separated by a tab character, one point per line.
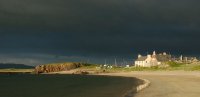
151	60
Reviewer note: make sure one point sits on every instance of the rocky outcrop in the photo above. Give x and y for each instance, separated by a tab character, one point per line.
56	67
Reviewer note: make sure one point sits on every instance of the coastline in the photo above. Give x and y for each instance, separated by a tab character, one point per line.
177	82
135	89
139	88
129	93
67	85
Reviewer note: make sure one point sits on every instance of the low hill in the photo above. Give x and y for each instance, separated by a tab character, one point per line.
46	68
15	66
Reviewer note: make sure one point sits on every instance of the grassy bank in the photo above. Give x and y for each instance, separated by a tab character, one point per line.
171	66
64	86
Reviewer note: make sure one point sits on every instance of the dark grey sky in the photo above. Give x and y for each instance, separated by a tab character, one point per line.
98	28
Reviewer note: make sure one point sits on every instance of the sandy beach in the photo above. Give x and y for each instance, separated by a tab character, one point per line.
167	83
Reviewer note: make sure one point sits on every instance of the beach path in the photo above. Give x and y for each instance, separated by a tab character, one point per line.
168	84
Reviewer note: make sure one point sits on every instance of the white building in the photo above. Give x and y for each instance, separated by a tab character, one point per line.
147	61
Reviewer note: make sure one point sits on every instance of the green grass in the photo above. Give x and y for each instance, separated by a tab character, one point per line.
121	69
88	64
64	86
196	68
172	66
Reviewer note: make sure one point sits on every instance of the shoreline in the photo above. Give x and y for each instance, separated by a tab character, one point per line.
144	75
150	78
139	88
130	93
90	85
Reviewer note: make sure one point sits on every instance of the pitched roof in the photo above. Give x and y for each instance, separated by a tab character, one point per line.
163	58
142	58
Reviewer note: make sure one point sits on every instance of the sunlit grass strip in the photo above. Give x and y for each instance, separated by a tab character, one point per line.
16	70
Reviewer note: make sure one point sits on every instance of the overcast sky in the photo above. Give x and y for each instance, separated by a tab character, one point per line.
96	29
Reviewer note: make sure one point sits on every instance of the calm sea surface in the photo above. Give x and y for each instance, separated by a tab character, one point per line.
27	85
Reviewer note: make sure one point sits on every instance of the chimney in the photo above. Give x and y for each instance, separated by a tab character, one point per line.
154	53
181	58
139	56
148	56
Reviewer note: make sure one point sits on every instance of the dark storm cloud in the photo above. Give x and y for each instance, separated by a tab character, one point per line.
99	27
60	12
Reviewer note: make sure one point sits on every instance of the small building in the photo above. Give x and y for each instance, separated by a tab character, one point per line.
152	60
185	59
